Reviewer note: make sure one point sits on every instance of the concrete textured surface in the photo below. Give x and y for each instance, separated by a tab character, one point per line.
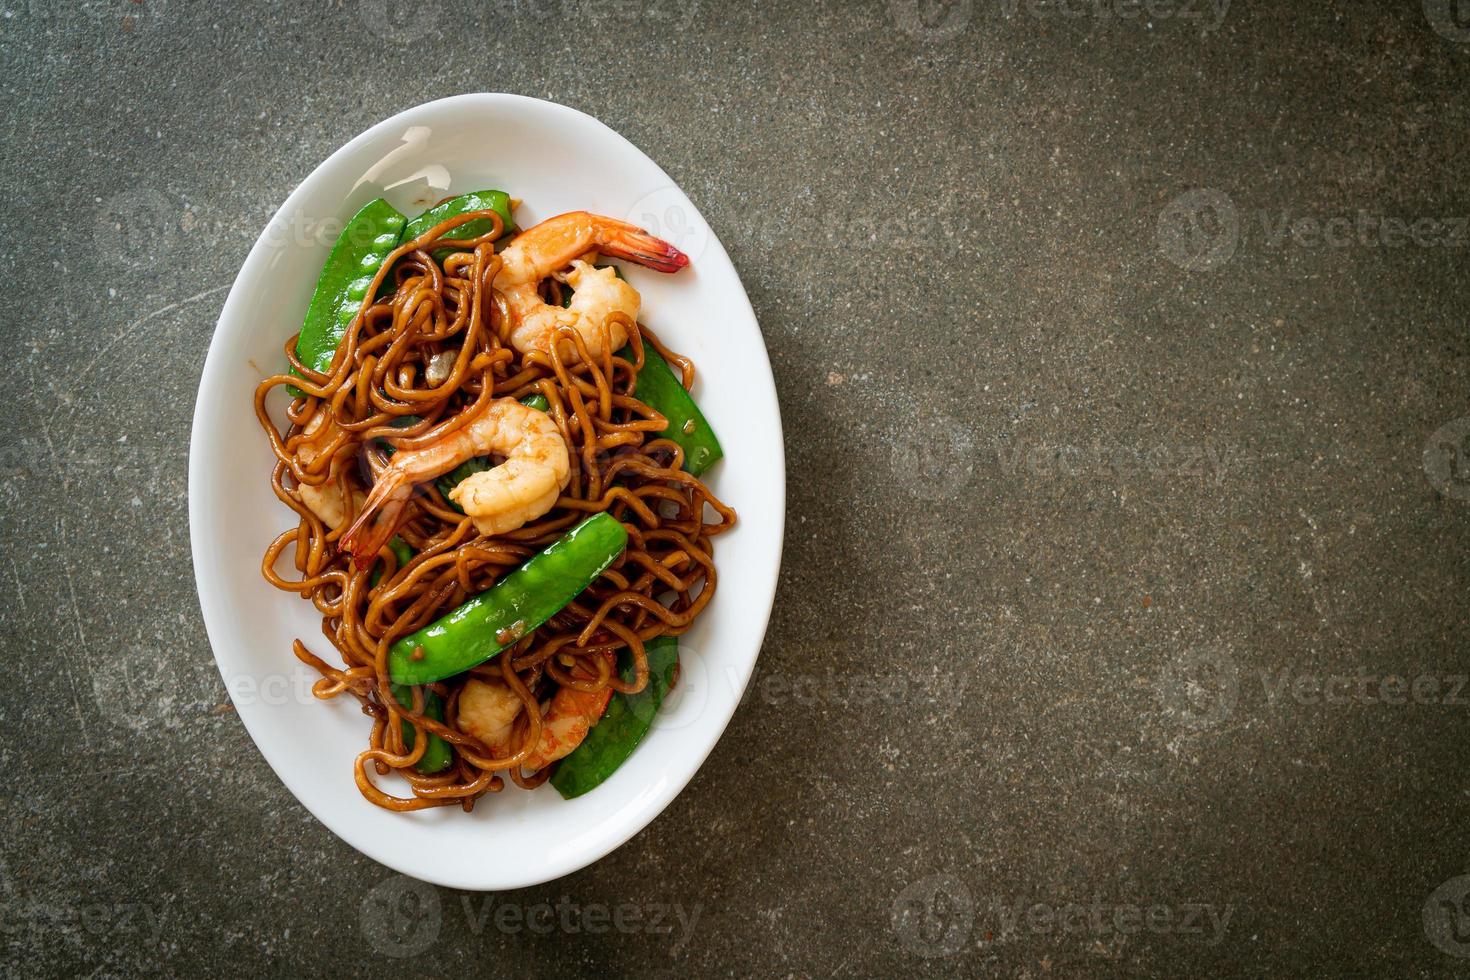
1123	355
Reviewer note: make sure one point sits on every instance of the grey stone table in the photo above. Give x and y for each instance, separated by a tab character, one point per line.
1123	357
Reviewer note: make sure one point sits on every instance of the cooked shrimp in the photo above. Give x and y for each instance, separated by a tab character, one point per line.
500	499
527	484
558	242
488	710
567	721
324	500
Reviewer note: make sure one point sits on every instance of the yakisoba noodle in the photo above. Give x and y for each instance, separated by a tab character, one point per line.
619	463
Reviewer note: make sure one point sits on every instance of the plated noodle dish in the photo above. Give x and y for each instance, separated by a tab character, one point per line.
495	472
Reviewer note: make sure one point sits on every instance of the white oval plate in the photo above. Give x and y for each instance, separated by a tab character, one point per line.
555	159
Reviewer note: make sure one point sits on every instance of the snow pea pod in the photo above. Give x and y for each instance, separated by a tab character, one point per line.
627	719
401	551
438	755
661	390
365	243
514	606
497	201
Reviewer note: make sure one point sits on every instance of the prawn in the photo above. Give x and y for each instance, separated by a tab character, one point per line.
324	500
488	711
567	239
522	488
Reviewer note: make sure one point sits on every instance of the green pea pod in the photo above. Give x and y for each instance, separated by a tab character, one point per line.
660	389
627	719
360	251
497	201
462	472
479	464
401	551
439	754
514	606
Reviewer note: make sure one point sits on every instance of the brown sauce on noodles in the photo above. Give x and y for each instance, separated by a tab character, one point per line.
619	464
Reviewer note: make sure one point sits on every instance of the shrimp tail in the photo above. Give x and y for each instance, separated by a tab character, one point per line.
624	241
382	508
